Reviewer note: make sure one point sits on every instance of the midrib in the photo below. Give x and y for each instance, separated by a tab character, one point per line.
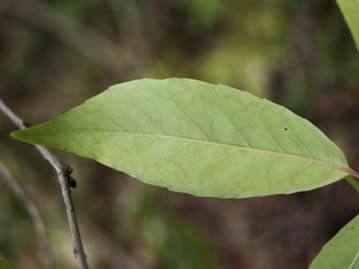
354	262
242	148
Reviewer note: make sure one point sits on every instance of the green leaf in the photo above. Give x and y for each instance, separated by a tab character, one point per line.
350	10
342	251
195	137
4	264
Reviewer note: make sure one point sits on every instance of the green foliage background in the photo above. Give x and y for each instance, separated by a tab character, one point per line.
4	264
297	53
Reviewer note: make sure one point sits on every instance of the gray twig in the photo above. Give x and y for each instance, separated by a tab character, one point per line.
62	175
33	212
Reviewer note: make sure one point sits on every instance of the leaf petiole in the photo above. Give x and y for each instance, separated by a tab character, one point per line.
353	182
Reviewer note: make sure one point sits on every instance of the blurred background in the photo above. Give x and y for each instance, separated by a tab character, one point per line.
55	54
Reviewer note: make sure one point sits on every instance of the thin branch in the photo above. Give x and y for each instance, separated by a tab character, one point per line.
353	173
33	212
62	174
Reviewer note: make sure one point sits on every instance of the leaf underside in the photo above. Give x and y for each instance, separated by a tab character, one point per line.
198	138
342	251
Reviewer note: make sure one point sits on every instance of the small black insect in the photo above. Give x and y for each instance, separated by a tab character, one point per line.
70	180
69	170
285	129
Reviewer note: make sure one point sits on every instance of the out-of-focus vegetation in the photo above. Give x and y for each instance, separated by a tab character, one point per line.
55	54
4	264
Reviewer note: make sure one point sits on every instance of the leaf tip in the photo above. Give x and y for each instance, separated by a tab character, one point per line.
20	135
15	134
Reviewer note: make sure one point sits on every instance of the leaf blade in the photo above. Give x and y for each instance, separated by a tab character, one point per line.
342	251
198	138
350	10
